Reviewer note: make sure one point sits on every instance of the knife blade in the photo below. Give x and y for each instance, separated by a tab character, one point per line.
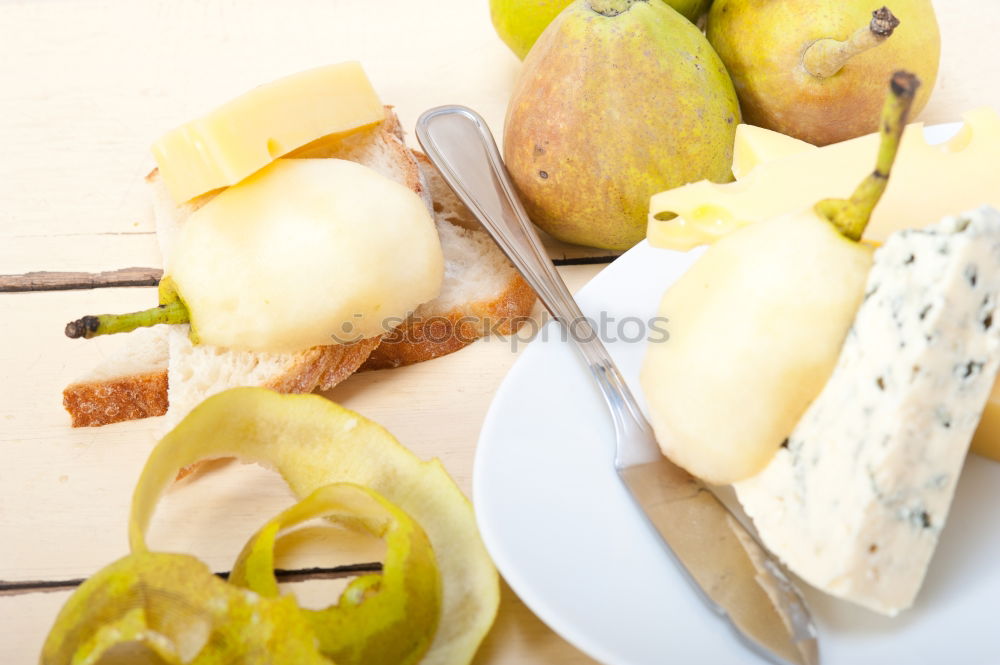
733	572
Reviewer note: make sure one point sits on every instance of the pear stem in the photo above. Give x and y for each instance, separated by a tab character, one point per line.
851	216
108	324
825	57
611	7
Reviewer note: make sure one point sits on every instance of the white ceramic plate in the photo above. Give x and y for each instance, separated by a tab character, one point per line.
564	534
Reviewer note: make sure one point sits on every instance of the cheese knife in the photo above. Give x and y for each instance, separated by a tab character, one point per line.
730	571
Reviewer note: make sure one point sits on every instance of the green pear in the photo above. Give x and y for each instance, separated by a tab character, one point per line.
813	69
692	10
618	100
520	22
756	325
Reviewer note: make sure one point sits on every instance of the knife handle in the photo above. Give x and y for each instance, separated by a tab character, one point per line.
460	144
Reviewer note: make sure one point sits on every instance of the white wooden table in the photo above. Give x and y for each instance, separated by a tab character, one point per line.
85	86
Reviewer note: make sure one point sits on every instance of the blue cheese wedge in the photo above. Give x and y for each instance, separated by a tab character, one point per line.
856	498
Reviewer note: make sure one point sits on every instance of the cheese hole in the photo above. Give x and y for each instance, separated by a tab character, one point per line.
274	149
959	141
664	216
711	214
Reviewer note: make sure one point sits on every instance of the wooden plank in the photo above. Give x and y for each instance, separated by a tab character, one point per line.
77	478
82	133
75	143
88	473
101	252
53	280
26	621
55	196
86	252
967	77
63	485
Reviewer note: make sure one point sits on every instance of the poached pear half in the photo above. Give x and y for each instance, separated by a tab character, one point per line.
305	252
757	324
618	100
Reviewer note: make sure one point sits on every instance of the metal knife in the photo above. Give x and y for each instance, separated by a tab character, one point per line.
731	572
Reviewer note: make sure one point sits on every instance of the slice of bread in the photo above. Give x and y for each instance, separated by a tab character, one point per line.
128	386
481	292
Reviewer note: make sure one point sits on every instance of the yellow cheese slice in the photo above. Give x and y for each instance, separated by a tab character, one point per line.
245	134
928	182
755	146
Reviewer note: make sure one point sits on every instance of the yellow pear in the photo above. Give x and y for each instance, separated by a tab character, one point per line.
618	99
757	323
520	22
815	69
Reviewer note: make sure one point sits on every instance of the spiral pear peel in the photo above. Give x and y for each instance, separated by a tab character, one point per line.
433	602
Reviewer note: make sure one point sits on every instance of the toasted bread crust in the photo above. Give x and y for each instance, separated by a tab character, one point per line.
417	341
344	360
323	367
97	403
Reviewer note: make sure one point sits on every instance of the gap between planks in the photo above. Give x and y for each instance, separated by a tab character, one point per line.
296	575
43	280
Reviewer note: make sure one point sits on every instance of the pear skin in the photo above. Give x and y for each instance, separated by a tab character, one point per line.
763	44
520	22
692	10
610	109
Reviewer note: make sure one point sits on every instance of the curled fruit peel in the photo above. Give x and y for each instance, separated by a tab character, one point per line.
339	463
174	606
382	618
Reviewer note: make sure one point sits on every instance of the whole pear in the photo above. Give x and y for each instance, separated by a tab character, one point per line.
618	100
692	10
520	22
815	69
